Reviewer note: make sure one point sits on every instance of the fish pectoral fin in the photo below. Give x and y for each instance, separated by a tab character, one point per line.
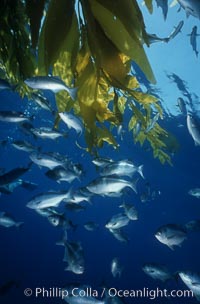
171	247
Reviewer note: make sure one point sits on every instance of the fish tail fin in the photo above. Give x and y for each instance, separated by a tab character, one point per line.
19	224
133	185
72	92
140	171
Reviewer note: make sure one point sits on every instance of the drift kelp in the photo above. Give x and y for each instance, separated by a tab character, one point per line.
90	47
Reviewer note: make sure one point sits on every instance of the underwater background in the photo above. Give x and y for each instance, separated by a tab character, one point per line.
29	256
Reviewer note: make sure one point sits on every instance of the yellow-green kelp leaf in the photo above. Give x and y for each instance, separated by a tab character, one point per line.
121	37
149	5
55	29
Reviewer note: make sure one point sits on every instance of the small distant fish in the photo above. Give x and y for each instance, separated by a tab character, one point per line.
122	168
45	132
157	271
171	235
74	256
182	106
192	281
12	116
49	199
101	161
71	121
116	268
90	226
193	39
9	188
23	146
194	129
195	192
13	175
7	221
108	185
130	211
52	83
152	123
59	220
176	30
152	38
43	102
193	226
191	7
117	221
82	295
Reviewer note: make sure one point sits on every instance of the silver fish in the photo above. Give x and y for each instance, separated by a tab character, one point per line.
43	102
153	38
12	116
48	159
130	211
108	185
171	235
119	235
59	220
152	123
45	132
23	146
61	174
116	268
7	221
117	221
195	192
157	271
74	256
176	30
90	226
194	129
191	7
192	281
49	199
71	121
82	294
182	106
102	161
52	83
122	168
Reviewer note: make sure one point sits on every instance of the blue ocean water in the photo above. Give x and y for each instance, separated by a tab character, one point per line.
29	255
